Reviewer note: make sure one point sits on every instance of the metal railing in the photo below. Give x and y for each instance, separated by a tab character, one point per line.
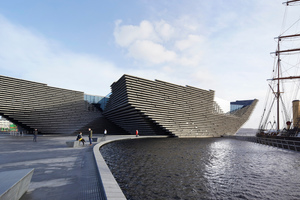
293	145
285	144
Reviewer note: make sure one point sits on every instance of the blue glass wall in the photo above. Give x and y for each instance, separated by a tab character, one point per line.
101	100
239	104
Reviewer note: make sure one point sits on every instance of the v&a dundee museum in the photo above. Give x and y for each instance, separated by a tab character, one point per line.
151	107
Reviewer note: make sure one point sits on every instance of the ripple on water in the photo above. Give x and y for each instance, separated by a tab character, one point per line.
211	168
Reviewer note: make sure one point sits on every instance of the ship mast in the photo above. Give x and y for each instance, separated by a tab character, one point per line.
278	52
278	82
279	75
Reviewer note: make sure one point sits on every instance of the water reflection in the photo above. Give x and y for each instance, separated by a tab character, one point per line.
212	168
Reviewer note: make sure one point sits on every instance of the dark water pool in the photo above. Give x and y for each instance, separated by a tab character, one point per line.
212	168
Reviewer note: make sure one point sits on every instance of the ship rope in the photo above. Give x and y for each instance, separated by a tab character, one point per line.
289	67
290	27
284	111
283	21
265	122
262	124
267	110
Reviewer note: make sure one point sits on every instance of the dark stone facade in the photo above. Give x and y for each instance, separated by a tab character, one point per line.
51	110
158	107
151	107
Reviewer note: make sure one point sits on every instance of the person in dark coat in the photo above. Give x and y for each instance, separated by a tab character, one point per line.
90	135
35	133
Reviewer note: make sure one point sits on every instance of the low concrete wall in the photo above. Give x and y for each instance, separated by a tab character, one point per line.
76	143
72	143
110	185
97	139
13	184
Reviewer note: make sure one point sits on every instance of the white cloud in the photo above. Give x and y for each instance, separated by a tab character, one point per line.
159	42
28	55
188	23
126	35
190	41
191	49
145	42
150	52
164	30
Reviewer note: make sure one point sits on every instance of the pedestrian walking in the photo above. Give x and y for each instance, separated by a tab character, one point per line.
136	133
104	135
90	135
35	135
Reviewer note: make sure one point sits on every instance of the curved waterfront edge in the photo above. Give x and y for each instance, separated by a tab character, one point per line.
110	186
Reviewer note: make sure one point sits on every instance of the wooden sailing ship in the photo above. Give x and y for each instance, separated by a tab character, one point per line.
281	116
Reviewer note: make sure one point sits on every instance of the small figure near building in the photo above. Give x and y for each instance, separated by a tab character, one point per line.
136	133
35	133
90	136
104	134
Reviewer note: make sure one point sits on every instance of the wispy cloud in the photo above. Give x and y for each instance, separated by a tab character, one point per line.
34	57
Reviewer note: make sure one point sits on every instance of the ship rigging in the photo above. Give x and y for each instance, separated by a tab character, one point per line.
277	118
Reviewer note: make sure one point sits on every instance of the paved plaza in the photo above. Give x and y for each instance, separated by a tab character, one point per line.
60	172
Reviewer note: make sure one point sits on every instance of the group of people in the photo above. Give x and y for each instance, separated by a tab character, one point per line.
79	136
81	139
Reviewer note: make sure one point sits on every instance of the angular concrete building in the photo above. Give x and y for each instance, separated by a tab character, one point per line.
158	107
151	107
51	110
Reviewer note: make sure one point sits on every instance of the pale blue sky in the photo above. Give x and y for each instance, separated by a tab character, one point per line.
223	45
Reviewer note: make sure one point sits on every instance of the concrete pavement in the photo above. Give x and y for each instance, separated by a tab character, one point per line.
60	172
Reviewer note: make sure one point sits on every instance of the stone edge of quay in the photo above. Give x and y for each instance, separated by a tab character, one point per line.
111	188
